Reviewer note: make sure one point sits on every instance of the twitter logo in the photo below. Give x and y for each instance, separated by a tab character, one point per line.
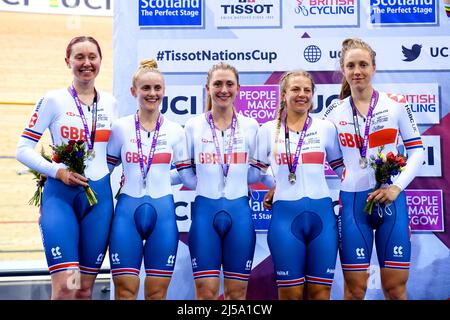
411	54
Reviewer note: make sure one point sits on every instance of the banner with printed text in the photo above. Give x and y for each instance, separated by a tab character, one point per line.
264	38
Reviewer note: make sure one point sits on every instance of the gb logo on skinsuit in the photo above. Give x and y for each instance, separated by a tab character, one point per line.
33	120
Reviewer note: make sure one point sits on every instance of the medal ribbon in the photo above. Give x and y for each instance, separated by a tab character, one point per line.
151	153
90	136
226	166
373	102
293	165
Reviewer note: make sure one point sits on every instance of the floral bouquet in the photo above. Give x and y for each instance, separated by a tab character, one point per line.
40	178
386	166
73	155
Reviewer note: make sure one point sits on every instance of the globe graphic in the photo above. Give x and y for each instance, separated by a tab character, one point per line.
312	53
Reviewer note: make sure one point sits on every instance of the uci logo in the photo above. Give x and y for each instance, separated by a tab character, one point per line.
91	4
323	101
179	105
184	205
436	52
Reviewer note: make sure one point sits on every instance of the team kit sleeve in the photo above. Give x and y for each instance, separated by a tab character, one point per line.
252	134
329	111
182	160
190	144
254	174
114	147
332	148
41	118
414	147
260	161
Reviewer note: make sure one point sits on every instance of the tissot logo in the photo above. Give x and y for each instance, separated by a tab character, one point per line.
411	54
247	9
247	13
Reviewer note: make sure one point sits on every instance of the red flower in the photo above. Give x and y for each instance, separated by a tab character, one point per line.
55	158
400	160
74	156
390	157
384	171
69	148
80	142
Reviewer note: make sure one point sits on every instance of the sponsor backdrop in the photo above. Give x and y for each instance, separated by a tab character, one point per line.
264	38
69	7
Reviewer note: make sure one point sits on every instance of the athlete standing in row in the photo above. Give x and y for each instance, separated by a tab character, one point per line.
75	235
220	143
145	222
302	236
367	119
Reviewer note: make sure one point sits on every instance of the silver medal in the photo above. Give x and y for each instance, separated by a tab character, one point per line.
292	178
363	163
90	154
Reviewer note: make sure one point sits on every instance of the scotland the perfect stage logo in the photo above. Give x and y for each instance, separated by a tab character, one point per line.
403	12
171	13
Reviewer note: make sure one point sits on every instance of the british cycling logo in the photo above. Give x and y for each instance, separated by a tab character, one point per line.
411	54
